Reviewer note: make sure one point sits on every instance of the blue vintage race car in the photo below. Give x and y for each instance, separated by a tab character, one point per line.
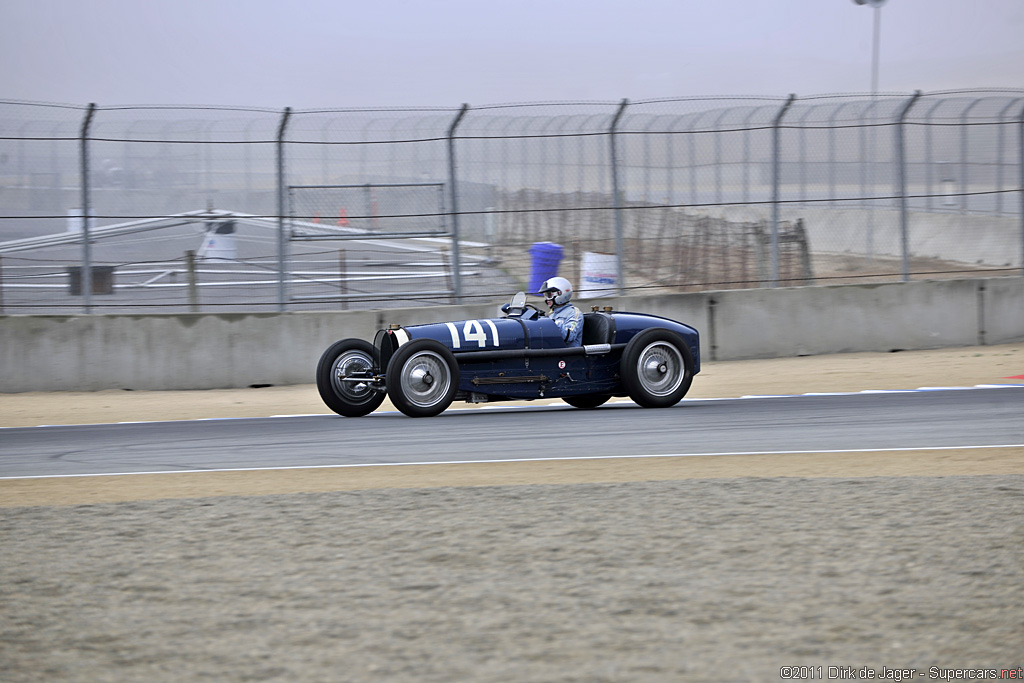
520	356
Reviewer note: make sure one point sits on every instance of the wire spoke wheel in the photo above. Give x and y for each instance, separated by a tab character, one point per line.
338	374
661	368
656	368
351	363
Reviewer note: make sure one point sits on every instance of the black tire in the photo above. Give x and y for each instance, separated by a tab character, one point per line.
587	401
422	378
347	398
656	368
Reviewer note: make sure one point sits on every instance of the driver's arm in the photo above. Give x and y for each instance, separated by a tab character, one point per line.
572	327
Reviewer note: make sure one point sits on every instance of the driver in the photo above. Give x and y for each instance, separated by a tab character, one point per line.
557	292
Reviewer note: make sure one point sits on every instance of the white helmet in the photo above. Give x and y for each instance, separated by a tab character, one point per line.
561	288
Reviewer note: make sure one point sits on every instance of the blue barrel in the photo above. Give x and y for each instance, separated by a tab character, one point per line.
544	260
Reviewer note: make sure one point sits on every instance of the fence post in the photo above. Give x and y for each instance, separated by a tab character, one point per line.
616	203
282	260
193	287
453	189
86	239
343	278
775	188
999	159
869	174
746	153
1020	178
901	169
832	155
928	161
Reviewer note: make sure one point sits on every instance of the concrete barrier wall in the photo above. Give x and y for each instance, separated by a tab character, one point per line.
970	239
816	320
1002	311
208	351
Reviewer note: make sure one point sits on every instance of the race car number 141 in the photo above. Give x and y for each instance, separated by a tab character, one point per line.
473	331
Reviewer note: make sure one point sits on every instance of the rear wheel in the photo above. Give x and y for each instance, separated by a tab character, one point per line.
656	368
422	378
587	401
346	397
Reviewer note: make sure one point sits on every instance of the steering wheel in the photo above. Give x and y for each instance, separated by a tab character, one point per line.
539	312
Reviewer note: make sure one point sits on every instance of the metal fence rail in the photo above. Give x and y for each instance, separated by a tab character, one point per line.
372	208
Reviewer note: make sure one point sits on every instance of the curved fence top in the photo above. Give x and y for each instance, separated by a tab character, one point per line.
140	123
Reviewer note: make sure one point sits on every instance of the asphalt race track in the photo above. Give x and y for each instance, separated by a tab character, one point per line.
819	423
902	556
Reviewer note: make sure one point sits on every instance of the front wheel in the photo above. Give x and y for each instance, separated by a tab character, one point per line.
340	361
422	378
656	368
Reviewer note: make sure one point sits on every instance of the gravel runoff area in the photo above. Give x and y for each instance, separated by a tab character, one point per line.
690	570
697	580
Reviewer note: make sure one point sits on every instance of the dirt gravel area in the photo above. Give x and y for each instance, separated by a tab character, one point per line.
697	580
675	569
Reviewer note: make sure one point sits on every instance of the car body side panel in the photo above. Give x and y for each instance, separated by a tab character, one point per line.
473	335
627	325
545	334
546	374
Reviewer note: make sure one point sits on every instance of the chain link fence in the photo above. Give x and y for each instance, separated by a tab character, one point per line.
229	209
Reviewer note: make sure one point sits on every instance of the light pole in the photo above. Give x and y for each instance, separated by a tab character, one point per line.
876	40
877	5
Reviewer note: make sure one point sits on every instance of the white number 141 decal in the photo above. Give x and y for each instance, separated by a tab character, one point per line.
473	331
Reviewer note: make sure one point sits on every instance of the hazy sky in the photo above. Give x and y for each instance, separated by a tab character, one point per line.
341	53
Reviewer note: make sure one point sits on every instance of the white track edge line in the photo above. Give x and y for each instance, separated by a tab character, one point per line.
900	449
